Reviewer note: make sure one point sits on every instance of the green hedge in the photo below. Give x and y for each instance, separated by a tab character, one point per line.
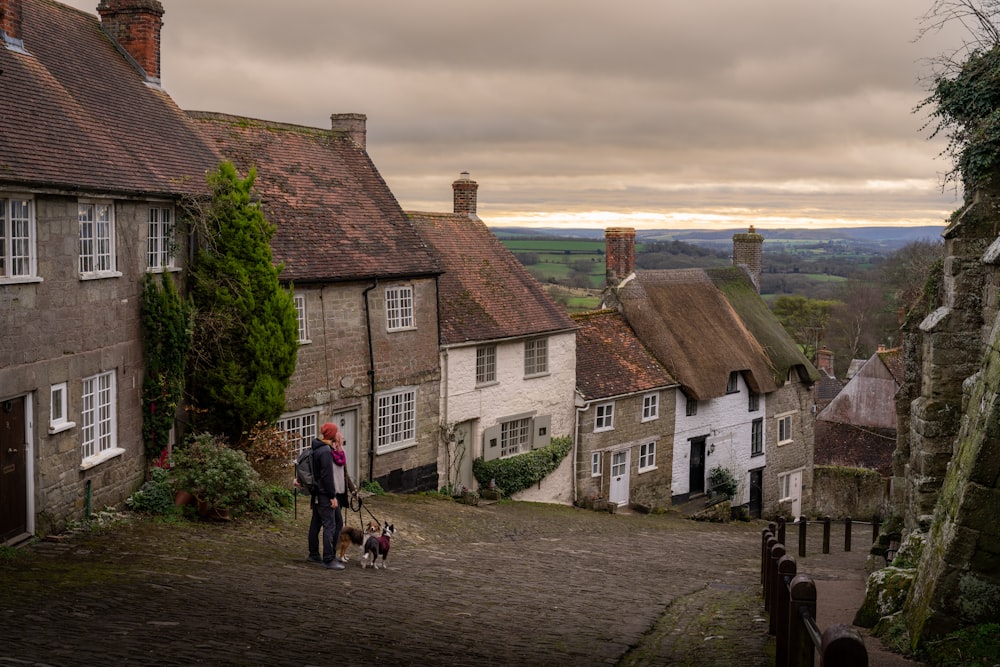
519	472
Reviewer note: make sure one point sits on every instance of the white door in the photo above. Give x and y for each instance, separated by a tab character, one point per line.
463	456
795	492
347	422
618	490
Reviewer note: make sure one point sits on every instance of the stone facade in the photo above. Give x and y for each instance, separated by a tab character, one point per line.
794	399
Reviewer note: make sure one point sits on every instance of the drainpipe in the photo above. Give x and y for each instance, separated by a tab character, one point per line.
576	444
371	384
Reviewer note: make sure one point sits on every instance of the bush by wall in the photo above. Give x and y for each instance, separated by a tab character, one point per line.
519	472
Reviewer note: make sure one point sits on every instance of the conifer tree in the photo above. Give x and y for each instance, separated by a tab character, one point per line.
245	327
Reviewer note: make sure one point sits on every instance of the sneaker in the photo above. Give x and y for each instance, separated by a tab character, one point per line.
333	565
314	558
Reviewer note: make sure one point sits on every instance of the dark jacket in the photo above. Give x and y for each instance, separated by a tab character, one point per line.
323	468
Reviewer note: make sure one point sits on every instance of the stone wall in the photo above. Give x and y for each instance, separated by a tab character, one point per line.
840	492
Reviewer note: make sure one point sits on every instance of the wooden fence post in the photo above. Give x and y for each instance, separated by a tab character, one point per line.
876	525
764	535
847	534
843	646
781	529
777	584
786	568
802	593
768	572
802	537
826	534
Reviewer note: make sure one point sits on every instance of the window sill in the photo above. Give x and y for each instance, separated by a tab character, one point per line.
649	469
756	454
98	459
101	275
483	385
21	280
604	429
785	442
386	449
59	428
650	419
400	329
532	376
305	341
163	269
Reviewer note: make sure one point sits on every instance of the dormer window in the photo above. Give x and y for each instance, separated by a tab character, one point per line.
733	384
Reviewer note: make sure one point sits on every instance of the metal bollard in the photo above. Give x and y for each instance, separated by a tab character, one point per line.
847	534
802	537
826	534
781	529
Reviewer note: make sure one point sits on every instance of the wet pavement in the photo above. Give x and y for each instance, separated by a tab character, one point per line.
499	584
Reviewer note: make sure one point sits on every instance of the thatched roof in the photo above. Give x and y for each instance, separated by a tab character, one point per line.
702	326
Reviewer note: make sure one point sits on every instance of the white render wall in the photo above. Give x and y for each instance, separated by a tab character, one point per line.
552	394
727	424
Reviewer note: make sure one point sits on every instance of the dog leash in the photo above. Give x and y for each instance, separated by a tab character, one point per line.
361	506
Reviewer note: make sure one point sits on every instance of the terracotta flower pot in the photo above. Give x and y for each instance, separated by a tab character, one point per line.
183	498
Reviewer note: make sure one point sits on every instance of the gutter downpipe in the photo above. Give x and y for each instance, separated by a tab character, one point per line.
576	443
371	384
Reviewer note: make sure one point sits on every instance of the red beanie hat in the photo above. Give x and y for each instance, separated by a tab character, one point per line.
329	431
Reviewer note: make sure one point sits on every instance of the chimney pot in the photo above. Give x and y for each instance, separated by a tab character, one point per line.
619	254
748	250
465	196
353	124
135	26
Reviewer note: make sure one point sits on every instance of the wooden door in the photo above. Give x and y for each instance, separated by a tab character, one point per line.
697	475
13	470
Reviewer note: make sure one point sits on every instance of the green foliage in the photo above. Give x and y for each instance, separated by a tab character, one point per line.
244	321
155	496
966	106
213	472
166	339
271	501
372	487
519	472
722	482
804	319
976	646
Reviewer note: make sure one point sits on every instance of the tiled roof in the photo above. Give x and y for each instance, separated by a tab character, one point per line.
337	219
484	293
686	321
76	115
850	446
611	360
893	360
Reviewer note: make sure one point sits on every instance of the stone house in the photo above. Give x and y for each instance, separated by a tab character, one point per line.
857	428
365	288
625	416
507	353
744	400
94	159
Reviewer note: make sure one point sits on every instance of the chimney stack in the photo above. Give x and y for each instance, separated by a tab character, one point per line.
619	257
748	250
464	190
10	24
135	25
353	124
824	360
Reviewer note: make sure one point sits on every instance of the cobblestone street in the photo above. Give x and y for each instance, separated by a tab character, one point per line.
503	584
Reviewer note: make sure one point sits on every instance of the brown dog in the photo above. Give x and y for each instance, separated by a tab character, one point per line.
351	535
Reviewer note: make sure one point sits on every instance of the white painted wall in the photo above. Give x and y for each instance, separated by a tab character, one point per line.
727	423
512	394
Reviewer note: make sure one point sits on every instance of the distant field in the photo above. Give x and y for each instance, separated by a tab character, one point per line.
566	246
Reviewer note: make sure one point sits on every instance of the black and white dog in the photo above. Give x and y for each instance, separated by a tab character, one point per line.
376	546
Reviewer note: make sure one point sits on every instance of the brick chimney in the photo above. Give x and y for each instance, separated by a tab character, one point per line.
824	360
464	190
10	24
748	250
619	243
135	25
355	125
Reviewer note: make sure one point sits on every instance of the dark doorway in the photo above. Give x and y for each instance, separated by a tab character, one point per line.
13	477
697	482
756	492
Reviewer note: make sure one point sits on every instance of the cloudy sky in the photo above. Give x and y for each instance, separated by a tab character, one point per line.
650	113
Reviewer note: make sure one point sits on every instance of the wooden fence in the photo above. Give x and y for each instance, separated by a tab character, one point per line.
790	600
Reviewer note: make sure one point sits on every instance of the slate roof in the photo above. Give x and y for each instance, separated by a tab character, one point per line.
336	218
703	326
75	115
611	360
484	293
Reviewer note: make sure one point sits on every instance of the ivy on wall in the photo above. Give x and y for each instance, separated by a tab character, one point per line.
519	472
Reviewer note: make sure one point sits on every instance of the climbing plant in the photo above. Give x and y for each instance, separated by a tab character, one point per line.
166	338
519	472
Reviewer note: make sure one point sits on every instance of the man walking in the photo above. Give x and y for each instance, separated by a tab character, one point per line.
324	502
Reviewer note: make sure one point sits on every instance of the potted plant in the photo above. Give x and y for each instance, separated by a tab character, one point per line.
219	477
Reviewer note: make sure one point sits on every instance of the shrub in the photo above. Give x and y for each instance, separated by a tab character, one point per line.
722	482
155	496
214	473
519	472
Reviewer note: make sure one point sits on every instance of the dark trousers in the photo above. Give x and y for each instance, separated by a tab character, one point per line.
331	521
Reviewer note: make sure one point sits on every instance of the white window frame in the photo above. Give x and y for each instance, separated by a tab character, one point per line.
690	406
99	419
97	239
785	487
160	243
651	407
59	408
604	417
486	365
303	427
733	383
536	357
396	425
753	401
784	428
595	464
300	318
515	436
18	253
399	308
647	456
